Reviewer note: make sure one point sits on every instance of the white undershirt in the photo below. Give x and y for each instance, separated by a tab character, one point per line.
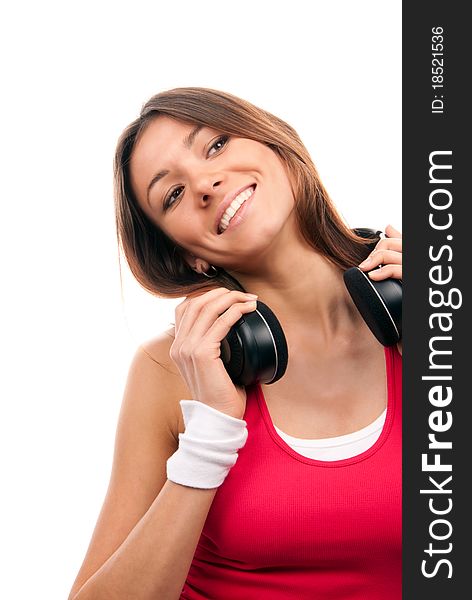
340	447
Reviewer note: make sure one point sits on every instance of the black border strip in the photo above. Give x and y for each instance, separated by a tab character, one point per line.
436	546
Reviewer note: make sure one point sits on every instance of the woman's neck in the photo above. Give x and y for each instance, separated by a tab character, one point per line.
304	289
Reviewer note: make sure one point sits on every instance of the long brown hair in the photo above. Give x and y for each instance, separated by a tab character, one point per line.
155	260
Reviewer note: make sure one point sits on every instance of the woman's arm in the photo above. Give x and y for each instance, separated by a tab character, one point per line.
388	253
148	528
154	560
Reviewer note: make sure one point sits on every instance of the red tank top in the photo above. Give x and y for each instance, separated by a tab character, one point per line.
283	526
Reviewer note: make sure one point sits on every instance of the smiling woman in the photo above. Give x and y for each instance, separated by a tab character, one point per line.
222	490
185	130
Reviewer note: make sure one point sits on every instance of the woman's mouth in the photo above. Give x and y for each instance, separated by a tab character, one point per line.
234	207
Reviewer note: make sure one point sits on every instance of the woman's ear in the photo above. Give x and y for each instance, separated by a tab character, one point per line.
197	264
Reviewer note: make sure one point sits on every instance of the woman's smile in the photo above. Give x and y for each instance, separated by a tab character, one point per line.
232	205
204	183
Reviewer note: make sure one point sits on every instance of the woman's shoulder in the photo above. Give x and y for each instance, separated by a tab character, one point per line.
153	354
160	344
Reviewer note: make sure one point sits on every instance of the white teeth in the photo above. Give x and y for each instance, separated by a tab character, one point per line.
234	206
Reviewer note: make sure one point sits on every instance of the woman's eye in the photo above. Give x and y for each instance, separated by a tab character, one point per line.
172	196
218	144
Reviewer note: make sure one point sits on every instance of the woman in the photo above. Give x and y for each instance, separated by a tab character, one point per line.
287	490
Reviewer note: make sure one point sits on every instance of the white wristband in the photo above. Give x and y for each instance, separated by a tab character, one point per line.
208	448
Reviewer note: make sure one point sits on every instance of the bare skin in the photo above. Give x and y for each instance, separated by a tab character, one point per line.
329	400
336	381
148	528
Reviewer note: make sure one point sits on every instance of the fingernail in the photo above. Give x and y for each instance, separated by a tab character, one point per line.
366	262
252	295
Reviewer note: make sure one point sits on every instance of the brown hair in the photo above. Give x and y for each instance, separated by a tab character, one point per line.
154	259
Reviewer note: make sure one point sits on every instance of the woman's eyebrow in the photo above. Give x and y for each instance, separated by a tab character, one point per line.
190	138
187	143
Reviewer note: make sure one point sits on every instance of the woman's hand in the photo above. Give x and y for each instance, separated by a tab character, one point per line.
388	253
201	323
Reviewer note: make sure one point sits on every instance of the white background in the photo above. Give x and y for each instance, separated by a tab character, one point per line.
74	75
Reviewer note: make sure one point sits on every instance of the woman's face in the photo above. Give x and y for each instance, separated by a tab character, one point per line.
184	176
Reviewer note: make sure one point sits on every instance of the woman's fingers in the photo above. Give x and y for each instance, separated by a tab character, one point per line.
196	301
223	323
201	318
389	244
387	271
381	257
390	231
202	321
387	255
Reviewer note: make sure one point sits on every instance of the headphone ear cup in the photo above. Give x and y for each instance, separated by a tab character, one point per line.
231	353
379	303
255	348
280	341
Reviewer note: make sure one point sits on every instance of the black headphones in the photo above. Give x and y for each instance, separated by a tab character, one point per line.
255	349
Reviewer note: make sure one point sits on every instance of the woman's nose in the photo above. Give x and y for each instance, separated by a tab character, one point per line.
207	187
